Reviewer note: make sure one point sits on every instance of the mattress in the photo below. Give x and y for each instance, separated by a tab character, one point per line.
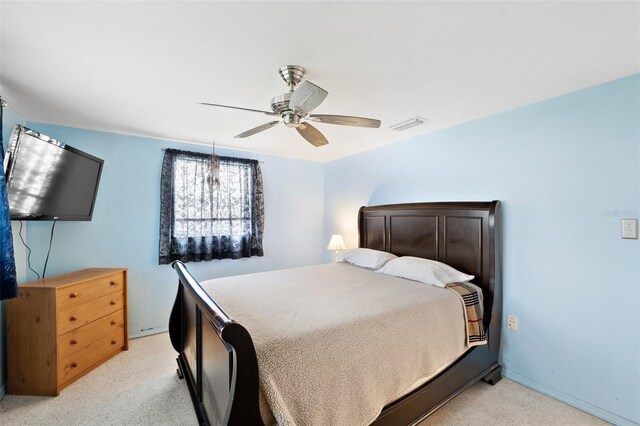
336	343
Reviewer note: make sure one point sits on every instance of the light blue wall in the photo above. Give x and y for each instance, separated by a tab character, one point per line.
9	119
124	229
565	169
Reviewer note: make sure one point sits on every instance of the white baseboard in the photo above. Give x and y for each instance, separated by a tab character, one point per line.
148	332
570	400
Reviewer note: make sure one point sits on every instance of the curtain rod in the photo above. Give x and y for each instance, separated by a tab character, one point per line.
259	161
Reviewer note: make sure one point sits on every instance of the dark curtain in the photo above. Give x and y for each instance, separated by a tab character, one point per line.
8	282
198	223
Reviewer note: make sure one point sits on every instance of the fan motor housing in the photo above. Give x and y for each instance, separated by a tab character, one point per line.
280	103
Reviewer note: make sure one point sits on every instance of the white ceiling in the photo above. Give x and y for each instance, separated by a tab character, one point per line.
139	68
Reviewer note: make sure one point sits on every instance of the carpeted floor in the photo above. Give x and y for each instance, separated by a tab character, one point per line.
140	387
136	387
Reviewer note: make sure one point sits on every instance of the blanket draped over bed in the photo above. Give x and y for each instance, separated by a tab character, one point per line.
306	322
471	297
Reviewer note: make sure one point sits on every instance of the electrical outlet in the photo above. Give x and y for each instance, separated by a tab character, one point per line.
512	322
630	229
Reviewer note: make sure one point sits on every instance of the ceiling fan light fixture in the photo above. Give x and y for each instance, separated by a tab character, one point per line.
412	122
291	120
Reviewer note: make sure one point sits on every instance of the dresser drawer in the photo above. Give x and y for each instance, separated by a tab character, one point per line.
75	295
81	338
80	362
75	317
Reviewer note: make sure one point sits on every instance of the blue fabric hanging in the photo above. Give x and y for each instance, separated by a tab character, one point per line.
8	282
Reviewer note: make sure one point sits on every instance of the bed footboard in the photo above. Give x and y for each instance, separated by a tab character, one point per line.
216	357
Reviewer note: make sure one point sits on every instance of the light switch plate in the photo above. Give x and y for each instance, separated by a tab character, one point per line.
630	229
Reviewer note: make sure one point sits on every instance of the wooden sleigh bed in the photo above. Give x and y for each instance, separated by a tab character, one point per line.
217	356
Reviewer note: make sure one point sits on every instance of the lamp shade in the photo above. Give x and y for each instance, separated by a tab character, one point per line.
336	243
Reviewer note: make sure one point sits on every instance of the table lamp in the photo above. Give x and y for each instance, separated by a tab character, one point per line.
337	244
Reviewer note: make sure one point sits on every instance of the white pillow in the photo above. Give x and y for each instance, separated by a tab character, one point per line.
366	258
424	270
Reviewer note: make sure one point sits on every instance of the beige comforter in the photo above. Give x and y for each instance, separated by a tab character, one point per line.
336	343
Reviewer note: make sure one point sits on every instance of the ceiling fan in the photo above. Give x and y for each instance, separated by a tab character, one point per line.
295	106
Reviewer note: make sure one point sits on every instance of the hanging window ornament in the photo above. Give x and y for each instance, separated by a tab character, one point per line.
213	169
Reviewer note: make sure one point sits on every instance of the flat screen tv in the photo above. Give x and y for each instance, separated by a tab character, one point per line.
49	180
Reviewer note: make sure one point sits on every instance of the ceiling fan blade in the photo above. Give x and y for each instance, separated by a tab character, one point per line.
240	108
257	129
345	120
307	97
312	135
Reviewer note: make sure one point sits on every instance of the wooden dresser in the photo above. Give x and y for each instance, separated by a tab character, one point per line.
62	327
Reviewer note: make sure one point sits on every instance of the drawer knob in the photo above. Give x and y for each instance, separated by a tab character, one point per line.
73	318
74	342
113	342
113	322
73	295
74	364
113	302
114	282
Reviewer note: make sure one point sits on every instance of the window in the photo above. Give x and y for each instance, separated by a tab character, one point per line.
198	222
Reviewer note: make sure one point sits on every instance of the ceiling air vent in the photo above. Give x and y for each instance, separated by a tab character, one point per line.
412	122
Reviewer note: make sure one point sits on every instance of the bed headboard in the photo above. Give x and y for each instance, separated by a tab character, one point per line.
465	235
